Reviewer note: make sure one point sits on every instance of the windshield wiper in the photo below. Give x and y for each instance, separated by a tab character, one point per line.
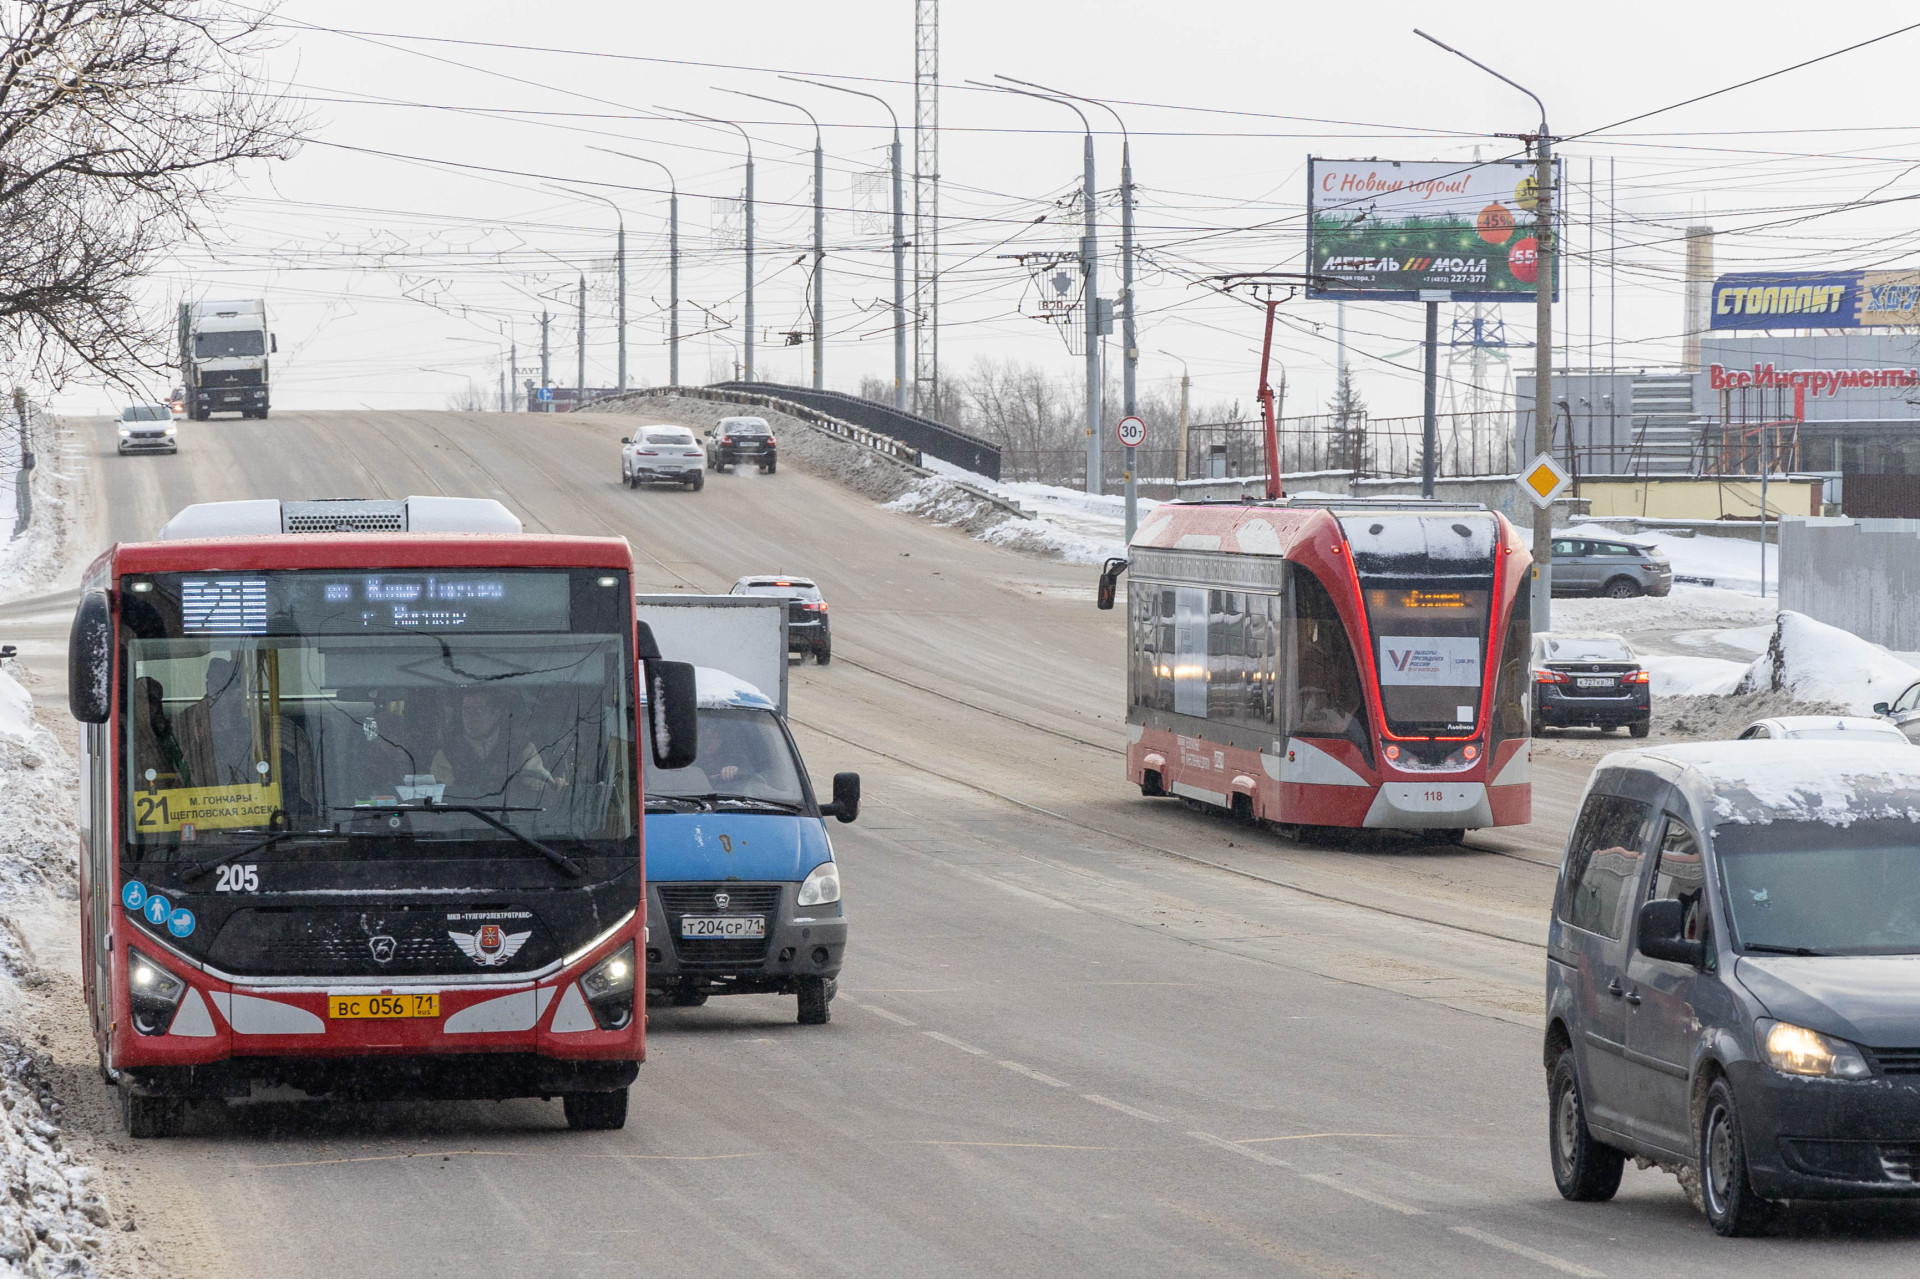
1764	949
195	870
715	798
485	812
698	805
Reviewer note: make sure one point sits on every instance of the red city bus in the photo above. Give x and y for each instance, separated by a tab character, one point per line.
360	807
1331	663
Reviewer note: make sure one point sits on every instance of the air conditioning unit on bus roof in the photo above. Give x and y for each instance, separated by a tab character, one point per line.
260	517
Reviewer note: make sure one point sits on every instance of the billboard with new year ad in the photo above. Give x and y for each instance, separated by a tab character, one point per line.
1412	229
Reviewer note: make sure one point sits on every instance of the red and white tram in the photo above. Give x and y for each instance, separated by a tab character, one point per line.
1329	663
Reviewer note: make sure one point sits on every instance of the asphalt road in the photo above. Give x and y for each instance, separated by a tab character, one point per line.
1080	1032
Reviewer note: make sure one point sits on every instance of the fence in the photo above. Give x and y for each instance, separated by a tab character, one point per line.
1860	575
1386	447
937	439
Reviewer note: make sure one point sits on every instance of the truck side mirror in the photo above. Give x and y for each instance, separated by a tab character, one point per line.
846	798
1109	582
1661	929
90	660
273	343
673	713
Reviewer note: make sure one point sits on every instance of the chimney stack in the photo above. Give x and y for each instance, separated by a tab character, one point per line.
1699	293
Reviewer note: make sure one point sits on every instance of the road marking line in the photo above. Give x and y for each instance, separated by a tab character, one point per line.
1307	1136
691	1159
1121	1106
951	1042
1334	1183
1010	1145
1031	1073
1258	1156
1531	1254
374	1159
895	1018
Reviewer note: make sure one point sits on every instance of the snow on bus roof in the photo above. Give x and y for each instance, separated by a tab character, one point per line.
1760	781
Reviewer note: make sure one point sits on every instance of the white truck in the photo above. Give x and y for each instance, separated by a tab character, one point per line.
743	635
223	357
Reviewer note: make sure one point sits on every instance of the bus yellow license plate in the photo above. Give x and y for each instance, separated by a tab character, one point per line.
382	1007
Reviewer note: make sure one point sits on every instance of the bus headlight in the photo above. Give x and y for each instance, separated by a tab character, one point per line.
822	885
608	986
154	993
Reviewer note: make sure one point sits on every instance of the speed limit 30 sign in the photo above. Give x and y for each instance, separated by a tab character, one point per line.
1132	431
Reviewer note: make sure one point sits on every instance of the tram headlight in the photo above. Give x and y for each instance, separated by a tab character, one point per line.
154	993
608	986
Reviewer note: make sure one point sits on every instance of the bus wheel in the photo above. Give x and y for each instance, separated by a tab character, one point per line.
150	1116
814	1000
595	1111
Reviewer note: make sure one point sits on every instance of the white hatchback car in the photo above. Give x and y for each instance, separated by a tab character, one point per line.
1853	728
662	455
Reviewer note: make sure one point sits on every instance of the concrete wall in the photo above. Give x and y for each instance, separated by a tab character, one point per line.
1860	575
1700	499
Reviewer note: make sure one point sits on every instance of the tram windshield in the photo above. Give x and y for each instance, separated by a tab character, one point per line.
1427	581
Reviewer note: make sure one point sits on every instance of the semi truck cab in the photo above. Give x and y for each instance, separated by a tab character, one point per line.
743	893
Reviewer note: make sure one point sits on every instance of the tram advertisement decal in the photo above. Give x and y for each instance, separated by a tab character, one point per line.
204	807
1398	228
1429	661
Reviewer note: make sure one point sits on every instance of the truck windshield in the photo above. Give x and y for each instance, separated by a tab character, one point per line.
315	733
229	344
744	756
1821	889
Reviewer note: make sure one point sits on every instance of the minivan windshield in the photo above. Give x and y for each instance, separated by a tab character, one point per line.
1810	888
745	759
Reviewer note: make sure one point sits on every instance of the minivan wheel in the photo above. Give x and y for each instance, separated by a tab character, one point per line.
1583	1169
815	995
1726	1193
1622	588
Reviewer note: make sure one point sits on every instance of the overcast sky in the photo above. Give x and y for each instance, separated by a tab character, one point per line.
419	229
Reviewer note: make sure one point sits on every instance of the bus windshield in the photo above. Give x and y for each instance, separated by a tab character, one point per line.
357	726
1427	581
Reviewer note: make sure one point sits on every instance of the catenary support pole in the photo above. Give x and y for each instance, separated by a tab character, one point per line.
513	377
746	341
900	383
546	361
819	237
673	272
1545	251
1429	419
580	348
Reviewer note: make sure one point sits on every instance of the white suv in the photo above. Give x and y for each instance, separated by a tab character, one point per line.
662	455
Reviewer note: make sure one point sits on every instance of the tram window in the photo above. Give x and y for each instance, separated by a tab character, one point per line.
1323	690
1190	656
1153	650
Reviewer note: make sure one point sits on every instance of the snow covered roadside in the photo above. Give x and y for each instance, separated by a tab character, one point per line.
52	1219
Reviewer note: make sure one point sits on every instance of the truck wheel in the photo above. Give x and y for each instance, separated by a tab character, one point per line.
823	654
815	996
595	1111
1583	1169
687	998
148	1117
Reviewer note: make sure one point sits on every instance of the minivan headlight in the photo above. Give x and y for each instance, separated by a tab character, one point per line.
1795	1050
821	886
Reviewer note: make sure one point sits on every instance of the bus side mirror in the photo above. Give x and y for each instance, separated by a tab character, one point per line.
846	798
90	660
673	708
1109	582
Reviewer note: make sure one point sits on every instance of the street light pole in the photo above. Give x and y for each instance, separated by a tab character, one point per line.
673	272
620	266
1090	268
899	244
1180	458
1544	253
819	238
747	335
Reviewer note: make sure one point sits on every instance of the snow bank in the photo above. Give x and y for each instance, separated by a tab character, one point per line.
1693	676
1821	663
51	1217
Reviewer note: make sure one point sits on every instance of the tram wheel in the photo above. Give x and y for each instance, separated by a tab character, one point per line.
1150	784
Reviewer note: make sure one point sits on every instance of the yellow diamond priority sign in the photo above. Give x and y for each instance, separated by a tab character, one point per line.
1544	481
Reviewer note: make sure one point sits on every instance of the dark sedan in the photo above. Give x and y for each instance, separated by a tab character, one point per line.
1589	681
743	439
808	633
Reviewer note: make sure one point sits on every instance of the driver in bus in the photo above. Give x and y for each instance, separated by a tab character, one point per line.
485	754
155	744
